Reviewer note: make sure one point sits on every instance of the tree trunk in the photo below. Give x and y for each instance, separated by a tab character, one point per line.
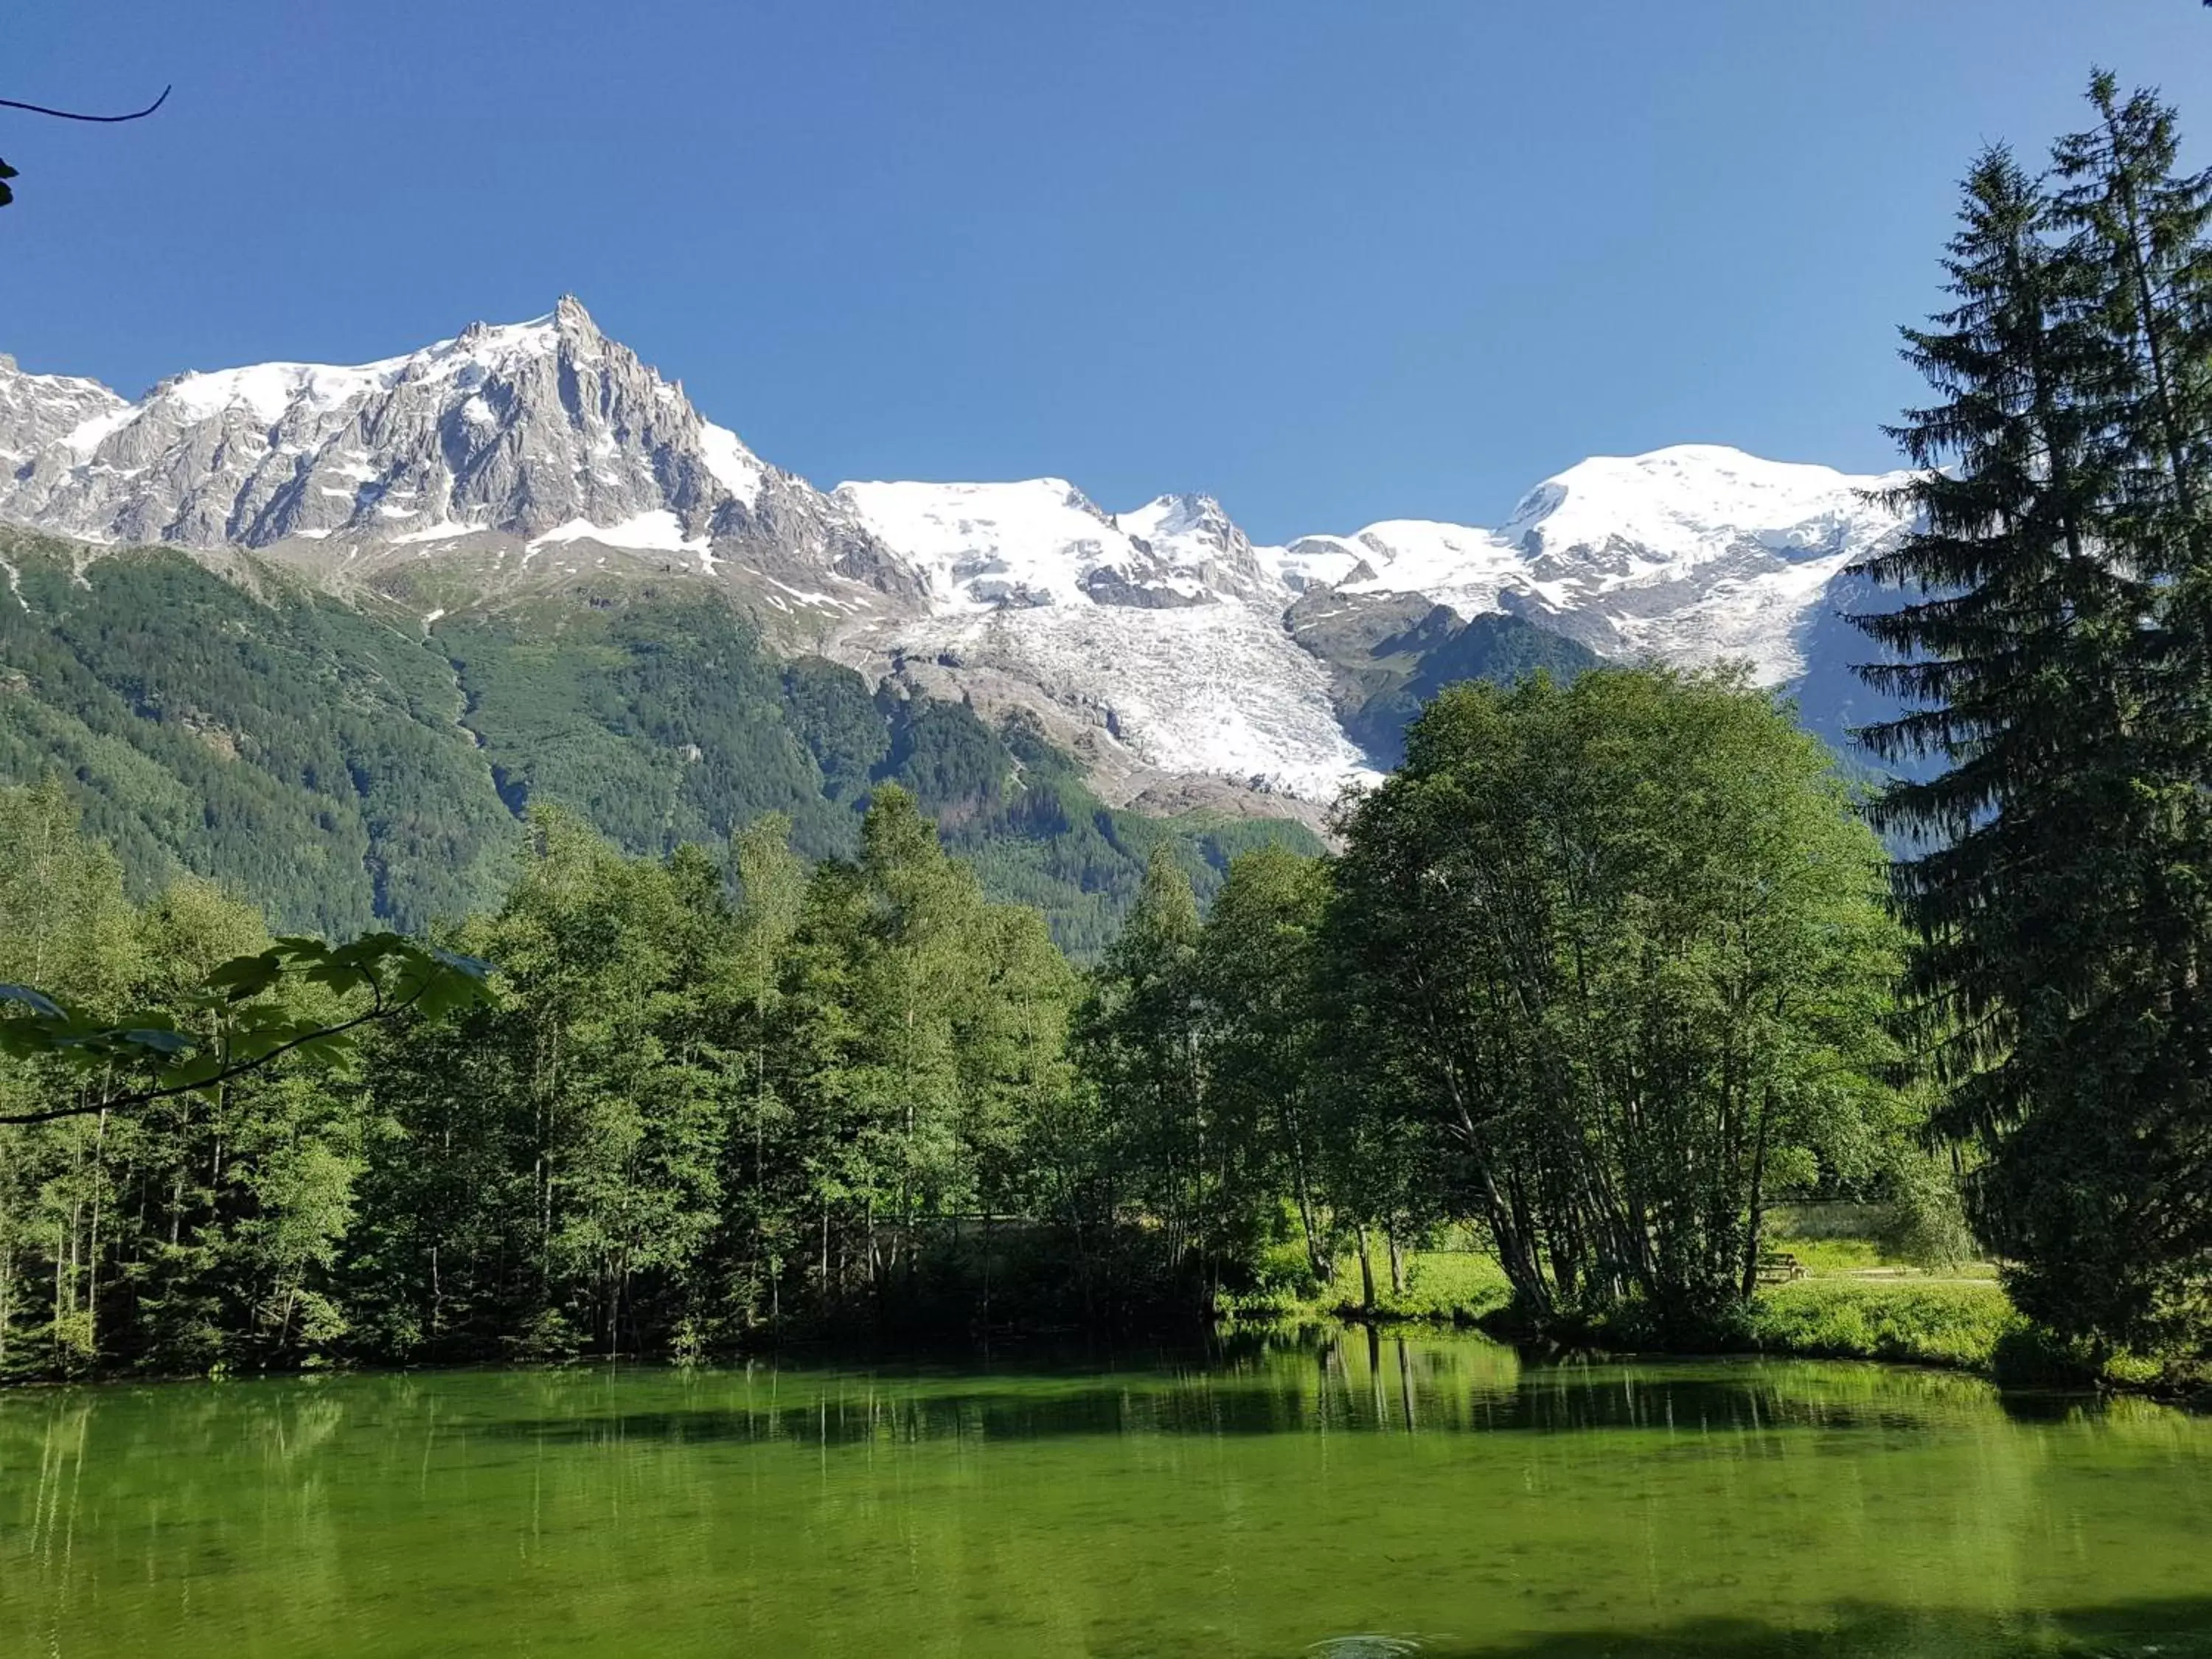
92	1249
1397	1261
1366	1272
1374	1375
1323	1269
1758	1209
7	1283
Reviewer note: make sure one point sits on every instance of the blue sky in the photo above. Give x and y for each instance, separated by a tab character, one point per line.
1330	262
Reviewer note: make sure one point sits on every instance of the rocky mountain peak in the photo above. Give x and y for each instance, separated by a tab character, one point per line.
520	428
571	319
1196	541
37	410
1190	518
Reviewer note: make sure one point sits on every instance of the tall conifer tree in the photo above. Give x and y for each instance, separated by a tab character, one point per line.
2126	1251
2048	642
2010	642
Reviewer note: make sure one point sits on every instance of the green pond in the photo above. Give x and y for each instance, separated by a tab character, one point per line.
1331	1494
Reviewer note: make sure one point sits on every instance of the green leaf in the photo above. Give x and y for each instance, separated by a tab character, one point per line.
201	1074
329	1048
43	1006
246	976
475	968
26	1039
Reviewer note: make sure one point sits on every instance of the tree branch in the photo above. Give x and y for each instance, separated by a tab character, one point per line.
379	1010
72	115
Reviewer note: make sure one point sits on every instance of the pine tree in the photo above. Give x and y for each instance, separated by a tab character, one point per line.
2046	642
2137	230
2128	1170
2012	641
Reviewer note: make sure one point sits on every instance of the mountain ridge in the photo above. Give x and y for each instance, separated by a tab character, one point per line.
1160	643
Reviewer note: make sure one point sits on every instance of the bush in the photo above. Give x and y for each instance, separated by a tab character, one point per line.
1926	1224
1933	1324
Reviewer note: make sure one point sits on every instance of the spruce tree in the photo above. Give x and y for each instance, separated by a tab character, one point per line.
2045	642
2135	228
2135	1133
2010	642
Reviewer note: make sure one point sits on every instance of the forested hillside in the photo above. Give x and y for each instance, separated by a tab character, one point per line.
344	764
714	1097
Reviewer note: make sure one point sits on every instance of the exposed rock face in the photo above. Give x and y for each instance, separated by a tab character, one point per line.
36	410
1195	542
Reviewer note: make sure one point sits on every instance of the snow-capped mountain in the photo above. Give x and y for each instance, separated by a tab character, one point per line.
1161	627
544	431
1690	555
1159	640
1213	655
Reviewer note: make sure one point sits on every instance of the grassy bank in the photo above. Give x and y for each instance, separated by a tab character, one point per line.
1854	1303
1956	1320
1921	1321
1829	1314
1449	1287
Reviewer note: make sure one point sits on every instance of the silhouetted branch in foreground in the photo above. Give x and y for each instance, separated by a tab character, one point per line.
74	115
8	173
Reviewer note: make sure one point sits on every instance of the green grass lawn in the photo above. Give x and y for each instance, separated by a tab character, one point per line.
1822	1257
1458	1286
1834	1255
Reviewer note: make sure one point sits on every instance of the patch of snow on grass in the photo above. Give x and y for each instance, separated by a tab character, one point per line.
445	531
656	532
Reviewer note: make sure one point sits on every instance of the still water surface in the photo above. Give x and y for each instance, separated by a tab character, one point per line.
1342	1495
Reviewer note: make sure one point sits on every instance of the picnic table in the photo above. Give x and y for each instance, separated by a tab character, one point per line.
1779	1268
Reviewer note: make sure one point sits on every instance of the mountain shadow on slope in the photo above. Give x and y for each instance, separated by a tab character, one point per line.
1832	702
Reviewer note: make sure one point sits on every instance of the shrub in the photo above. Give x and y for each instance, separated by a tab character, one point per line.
1939	1324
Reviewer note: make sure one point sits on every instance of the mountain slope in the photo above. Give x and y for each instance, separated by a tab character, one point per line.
279	740
345	766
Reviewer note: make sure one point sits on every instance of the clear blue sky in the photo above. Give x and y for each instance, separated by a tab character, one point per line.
1331	261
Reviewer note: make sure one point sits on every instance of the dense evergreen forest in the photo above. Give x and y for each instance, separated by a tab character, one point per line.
344	767
743	1045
